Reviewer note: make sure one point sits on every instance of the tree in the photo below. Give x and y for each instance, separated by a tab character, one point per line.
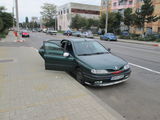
76	22
114	21
145	14
2	8
7	19
48	12
128	17
92	23
26	20
1	24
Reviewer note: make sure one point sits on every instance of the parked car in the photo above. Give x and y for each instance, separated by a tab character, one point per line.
125	33
77	34
34	30
51	31
87	34
91	63
108	36
44	30
25	33
39	30
68	32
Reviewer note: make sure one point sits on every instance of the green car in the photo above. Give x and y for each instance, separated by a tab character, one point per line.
91	63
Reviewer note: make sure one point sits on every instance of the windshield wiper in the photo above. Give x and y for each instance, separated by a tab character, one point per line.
100	53
93	53
85	54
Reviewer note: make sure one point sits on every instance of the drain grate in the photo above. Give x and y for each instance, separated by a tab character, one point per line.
6	60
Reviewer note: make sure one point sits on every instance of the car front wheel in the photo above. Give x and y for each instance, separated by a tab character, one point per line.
79	76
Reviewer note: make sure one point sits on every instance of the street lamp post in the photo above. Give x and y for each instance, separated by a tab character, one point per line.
17	17
106	27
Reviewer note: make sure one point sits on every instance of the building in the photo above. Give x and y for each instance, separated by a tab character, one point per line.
121	5
154	26
67	11
103	7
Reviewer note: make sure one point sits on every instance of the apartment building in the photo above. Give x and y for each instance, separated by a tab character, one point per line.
67	11
121	5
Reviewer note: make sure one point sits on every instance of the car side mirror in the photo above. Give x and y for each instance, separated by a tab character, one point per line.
66	54
109	50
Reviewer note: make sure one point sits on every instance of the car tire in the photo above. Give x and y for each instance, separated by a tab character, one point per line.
79	76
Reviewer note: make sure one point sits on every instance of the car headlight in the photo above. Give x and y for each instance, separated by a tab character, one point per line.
126	67
99	71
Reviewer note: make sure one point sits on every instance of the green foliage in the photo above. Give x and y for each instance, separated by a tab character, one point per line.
48	12
114	20
124	37
102	21
158	40
2	35
144	15
50	23
128	17
1	24
79	22
6	19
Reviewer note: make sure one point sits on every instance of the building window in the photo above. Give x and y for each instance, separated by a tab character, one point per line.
61	12
64	11
67	10
159	29
114	4
130	2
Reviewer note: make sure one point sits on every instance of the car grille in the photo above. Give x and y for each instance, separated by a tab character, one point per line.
114	70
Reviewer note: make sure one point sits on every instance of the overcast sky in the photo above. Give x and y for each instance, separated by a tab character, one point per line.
32	7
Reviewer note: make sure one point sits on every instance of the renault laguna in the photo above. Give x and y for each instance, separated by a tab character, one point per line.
90	61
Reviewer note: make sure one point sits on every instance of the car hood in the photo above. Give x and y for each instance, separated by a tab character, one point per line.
103	61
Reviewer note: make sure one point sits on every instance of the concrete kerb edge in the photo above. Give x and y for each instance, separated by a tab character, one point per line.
125	41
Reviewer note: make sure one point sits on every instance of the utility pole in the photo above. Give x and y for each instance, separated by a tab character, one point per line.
17	16
106	27
13	16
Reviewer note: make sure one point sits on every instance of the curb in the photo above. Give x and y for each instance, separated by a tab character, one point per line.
135	42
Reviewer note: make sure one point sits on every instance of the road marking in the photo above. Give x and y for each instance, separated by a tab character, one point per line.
154	71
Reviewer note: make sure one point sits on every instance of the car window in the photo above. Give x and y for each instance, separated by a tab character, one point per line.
52	48
89	47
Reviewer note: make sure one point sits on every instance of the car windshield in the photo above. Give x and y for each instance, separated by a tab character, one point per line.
89	48
110	34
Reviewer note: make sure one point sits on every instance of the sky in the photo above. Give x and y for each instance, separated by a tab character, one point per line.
31	8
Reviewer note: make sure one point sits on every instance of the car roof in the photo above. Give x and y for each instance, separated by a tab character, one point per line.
73	40
79	39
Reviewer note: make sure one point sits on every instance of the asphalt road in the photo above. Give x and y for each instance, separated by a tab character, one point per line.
138	98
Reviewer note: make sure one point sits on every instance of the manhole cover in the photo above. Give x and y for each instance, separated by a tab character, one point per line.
6	60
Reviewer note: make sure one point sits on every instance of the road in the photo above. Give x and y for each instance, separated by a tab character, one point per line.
137	99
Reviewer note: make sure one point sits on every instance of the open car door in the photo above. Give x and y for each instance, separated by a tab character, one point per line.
56	59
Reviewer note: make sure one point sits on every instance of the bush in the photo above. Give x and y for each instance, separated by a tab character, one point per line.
124	37
147	38
135	36
2	35
158	40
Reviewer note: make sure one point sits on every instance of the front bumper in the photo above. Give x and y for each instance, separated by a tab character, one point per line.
105	80
25	35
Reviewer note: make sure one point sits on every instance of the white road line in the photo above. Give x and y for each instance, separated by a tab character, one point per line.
154	71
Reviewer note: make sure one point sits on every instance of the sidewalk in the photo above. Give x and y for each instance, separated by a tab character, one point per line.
137	42
140	42
28	92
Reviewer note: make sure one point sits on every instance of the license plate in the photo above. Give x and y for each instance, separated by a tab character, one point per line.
117	77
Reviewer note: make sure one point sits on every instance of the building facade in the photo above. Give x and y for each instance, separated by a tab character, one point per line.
67	11
121	5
